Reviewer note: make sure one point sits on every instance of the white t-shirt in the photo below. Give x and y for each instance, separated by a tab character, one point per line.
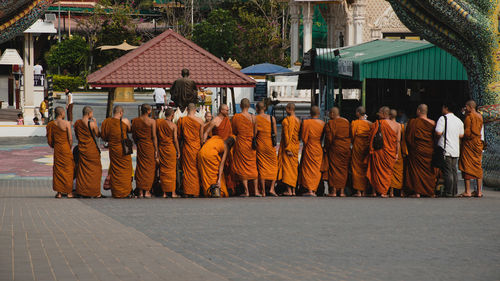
159	94
37	69
454	129
69	97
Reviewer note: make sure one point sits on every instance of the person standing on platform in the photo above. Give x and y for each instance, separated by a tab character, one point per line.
191	137
381	161
60	139
312	152
168	152
144	135
421	176
89	168
69	105
211	163
267	160
288	154
160	97
397	180
184	91
360	150
338	146
471	150
451	128
244	156
114	130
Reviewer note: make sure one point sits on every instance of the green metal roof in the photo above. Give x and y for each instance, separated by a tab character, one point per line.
391	59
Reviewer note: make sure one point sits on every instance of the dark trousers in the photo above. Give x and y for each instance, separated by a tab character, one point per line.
450	176
69	113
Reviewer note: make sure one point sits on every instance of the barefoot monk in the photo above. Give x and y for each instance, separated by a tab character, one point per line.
360	149
288	154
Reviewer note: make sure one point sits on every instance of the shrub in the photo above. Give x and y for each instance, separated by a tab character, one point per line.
61	82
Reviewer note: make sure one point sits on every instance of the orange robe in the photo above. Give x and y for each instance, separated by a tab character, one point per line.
288	165
420	175
189	131
312	154
360	151
167	154
338	138
471	150
209	159
267	160
63	169
398	171
224	130
381	162
89	168
244	157
120	169
146	164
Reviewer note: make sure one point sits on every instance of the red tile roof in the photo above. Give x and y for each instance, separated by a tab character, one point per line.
158	63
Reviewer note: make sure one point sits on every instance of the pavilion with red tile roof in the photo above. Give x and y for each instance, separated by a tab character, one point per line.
158	63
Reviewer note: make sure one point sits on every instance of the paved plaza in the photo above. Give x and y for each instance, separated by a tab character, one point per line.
236	238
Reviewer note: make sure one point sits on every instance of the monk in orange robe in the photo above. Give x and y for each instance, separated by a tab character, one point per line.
89	169
381	161
267	160
144	134
471	150
221	126
288	154
114	130
208	120
168	152
420	175
60	139
211	159
397	180
360	150
312	152
191	136
244	156
338	145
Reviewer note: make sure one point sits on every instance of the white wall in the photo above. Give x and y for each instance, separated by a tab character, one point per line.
4	90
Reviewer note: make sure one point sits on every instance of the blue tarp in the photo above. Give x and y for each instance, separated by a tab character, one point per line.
264	68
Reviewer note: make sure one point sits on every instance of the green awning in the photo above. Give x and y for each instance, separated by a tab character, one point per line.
390	59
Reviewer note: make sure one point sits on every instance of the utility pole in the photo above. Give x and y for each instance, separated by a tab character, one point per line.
192	16
59	31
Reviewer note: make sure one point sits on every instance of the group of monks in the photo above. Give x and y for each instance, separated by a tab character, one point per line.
192	157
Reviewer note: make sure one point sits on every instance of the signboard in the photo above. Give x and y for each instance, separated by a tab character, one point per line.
260	91
345	67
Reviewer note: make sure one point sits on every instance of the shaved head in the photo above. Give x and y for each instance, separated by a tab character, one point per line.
261	106
191	107
290	106
393	114
384	112
169	112
361	110
145	108
422	109
59	111
229	142
117	109
245	103
334	111
223	107
314	111
471	103
87	110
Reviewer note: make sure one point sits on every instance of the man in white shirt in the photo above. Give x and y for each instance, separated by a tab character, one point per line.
453	133
37	69
160	97
69	105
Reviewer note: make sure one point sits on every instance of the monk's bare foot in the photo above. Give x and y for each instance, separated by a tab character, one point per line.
342	194
287	193
70	195
147	194
164	195
479	195
465	195
373	195
357	194
272	193
309	194
391	195
331	195
414	196
58	195
383	195
175	195
402	194
244	194
258	195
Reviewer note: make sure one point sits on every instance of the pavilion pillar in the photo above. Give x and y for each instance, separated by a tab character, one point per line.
307	19
294	32
358	20
28	99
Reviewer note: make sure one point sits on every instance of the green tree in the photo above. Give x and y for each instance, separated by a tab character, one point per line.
217	33
70	55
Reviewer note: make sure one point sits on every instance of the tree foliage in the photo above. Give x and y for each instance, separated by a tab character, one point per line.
69	55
